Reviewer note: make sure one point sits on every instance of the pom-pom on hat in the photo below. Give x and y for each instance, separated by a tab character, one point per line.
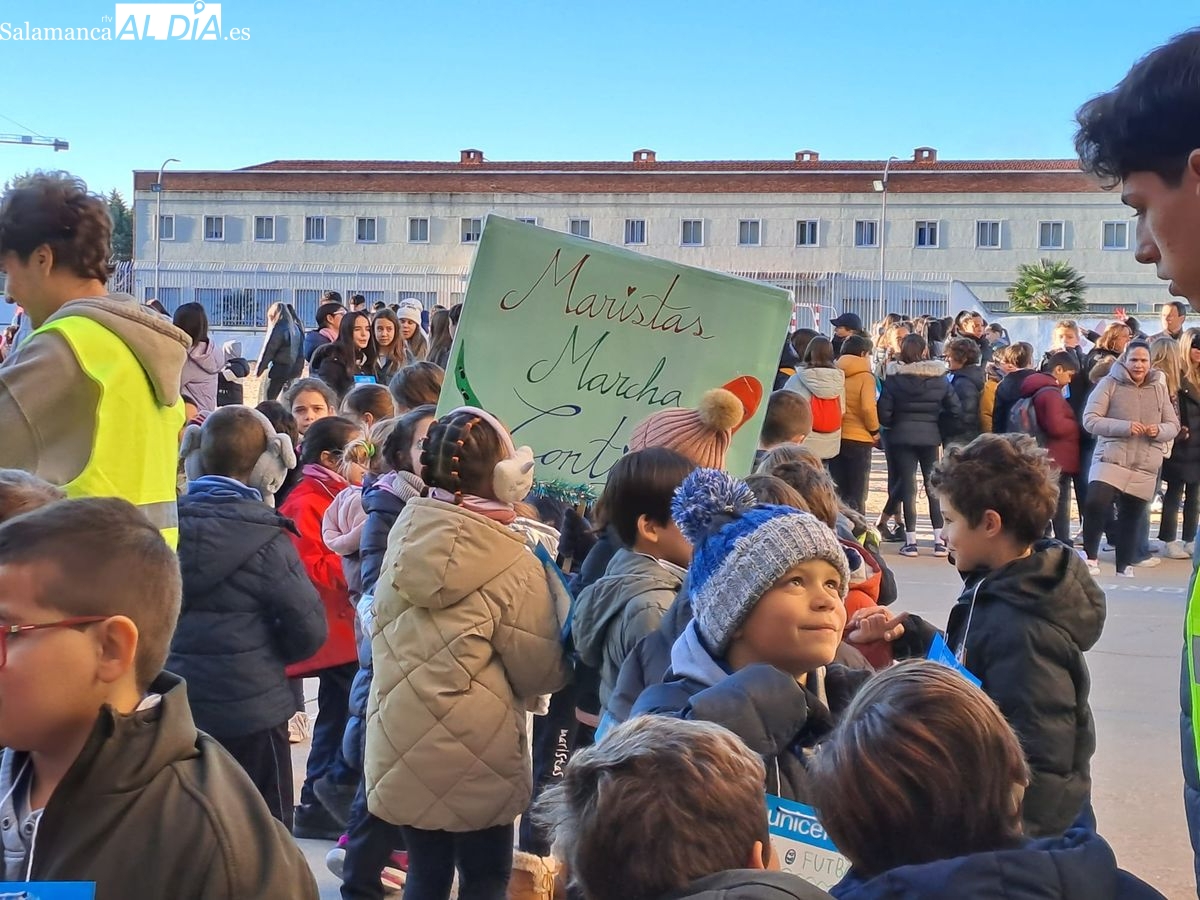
740	549
702	434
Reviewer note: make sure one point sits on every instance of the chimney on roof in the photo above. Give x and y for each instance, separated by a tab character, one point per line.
807	156
643	156
470	157
925	154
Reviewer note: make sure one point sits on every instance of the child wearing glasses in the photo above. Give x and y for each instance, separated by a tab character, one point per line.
105	778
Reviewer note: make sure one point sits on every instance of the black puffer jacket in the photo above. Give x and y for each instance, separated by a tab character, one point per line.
1184	462
1033	619
968	385
918	404
284	351
330	365
1008	392
249	609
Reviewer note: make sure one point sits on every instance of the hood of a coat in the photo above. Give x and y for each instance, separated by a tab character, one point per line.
629	574
1120	374
925	368
855	365
446	553
388	493
1051	583
825	383
207	356
972	373
1076	866
159	346
749	884
1036	382
219	534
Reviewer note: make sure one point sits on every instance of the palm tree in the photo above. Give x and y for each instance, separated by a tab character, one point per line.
1047	287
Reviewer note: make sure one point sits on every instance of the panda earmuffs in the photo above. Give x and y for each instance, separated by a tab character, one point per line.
512	479
270	470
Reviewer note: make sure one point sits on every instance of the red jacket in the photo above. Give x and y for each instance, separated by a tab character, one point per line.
306	505
1056	419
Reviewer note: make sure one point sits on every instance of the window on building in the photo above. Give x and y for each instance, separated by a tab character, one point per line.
264	228
418	231
866	233
365	230
306	301
528	220
1116	235
471	230
1050	235
635	231
750	232
214	228
691	232
806	233
580	227
166	228
926	234
210	299
314	228
987	235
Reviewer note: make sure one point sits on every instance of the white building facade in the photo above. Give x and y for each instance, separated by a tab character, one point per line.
239	240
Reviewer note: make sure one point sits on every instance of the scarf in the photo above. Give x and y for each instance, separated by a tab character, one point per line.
493	509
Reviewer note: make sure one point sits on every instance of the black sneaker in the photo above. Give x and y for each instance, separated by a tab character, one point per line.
313	821
891	534
336	798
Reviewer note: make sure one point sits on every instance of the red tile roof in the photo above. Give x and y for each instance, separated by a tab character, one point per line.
636	177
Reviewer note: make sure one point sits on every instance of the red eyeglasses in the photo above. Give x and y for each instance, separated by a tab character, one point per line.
8	631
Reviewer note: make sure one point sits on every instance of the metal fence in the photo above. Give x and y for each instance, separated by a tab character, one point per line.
238	295
821	296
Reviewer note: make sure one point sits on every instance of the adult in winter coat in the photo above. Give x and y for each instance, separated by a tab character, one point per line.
966	378
1059	435
350	359
1181	470
204	359
282	356
851	468
916	406
249	610
613	615
1131	414
823	384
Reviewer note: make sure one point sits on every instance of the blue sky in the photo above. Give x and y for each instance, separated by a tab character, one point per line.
525	80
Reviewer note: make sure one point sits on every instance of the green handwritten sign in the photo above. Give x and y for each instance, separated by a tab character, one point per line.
572	343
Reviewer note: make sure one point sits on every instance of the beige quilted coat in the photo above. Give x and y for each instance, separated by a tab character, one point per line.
465	634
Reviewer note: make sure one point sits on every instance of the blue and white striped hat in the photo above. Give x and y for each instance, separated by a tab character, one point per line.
740	548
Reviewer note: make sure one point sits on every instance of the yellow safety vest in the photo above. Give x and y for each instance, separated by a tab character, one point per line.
136	447
1191	652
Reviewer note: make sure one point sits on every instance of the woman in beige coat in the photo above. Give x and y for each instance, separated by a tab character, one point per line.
1131	414
465	638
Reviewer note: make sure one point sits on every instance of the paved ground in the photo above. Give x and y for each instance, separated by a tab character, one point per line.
1135	685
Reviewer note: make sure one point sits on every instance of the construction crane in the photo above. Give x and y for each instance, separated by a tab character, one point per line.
31	140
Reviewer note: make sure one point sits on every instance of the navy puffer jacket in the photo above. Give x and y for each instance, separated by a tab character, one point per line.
917	405
1079	865
249	609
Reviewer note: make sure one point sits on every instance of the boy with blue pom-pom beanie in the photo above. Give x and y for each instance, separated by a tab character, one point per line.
767	585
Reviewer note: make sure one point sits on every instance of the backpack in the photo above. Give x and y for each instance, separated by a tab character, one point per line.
826	414
1022	418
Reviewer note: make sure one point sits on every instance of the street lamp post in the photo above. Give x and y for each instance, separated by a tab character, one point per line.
882	187
158	226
